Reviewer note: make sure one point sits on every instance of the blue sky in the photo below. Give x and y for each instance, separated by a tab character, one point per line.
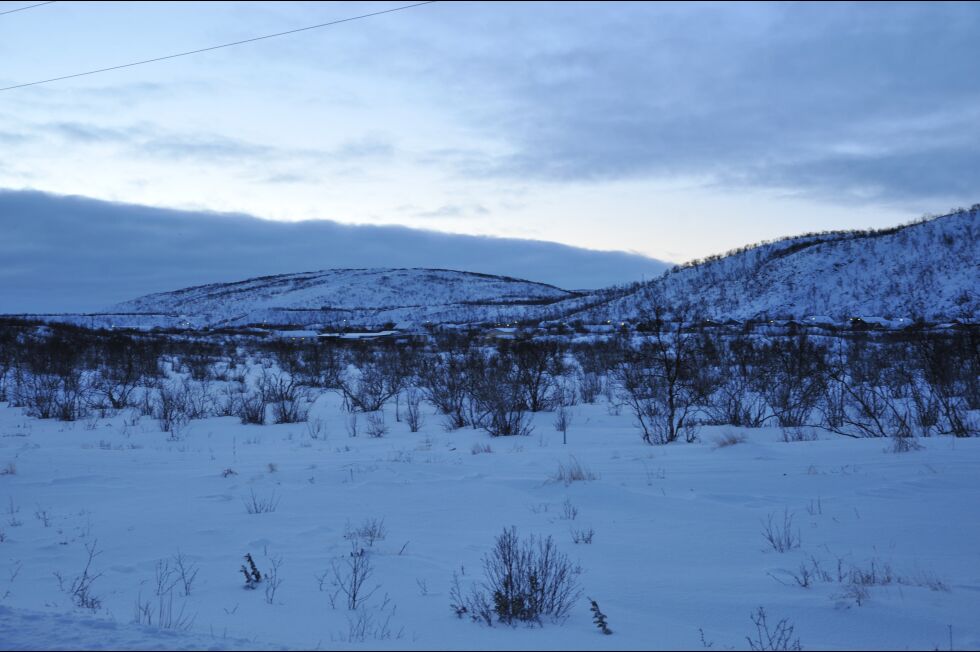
674	131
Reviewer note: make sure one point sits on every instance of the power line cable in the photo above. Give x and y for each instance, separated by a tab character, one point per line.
218	47
14	11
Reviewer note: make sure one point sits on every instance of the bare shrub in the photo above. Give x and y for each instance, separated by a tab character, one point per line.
797	434
376	426
372	384
251	408
165	577
497	397
371	624
573	472
563	419
288	399
351	578
164	616
656	381
734	399
582	536
780	535
780	637
524	581
569	512
61	395
79	588
371	530
272	580
413	411
260	504
904	442
172	406
444	379
186	571
589	386
729	439
793	377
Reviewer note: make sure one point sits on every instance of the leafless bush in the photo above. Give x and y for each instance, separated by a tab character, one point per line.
497	398
12	510
589	386
260	505
856	580
413	411
793	377
272	580
569	512
444	379
376	426
43	516
780	536
779	638
563	419
79	588
116	385
729	439
797	434
351	578
371	624
289	400
524	581
164	616
186	570
573	472
251	408
172	406
63	396
582	536
166	578
371	385
655	381
734	401
316	429
856	593
479	448
371	530
904	442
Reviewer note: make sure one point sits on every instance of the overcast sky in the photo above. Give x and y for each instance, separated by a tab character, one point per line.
674	131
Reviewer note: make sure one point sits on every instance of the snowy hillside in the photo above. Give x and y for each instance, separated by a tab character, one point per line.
929	269
359	296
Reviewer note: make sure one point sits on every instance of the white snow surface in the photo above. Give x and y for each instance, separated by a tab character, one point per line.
677	545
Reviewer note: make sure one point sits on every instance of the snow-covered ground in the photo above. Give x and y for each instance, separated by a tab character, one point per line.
678	551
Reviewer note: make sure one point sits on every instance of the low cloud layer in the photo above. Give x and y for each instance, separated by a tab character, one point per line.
66	254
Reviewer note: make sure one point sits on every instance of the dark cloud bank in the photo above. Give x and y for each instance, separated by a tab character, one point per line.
66	254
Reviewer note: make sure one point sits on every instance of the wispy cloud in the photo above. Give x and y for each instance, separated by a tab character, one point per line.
745	96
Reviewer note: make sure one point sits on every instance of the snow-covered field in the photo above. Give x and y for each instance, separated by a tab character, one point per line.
677	553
